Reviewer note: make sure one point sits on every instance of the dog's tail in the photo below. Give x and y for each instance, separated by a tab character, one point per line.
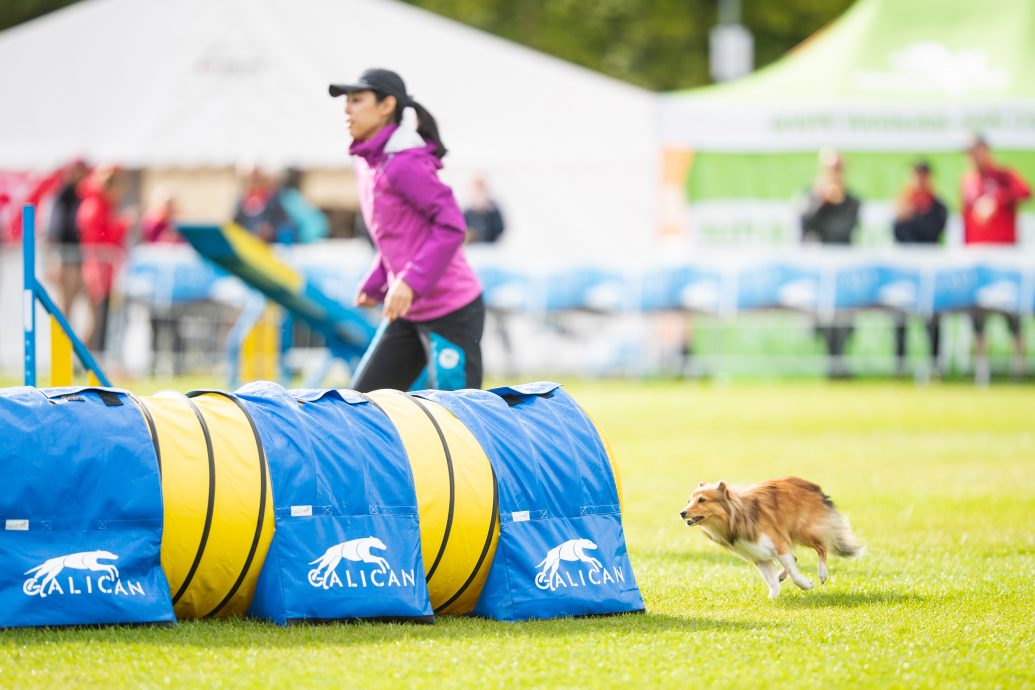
839	536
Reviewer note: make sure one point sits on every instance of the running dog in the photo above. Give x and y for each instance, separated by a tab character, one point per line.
763	522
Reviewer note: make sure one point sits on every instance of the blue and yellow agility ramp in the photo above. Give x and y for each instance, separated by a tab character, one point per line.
308	505
232	248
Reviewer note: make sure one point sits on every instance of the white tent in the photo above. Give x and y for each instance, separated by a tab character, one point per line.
194	83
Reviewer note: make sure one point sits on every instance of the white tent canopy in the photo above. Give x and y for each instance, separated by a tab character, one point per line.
193	83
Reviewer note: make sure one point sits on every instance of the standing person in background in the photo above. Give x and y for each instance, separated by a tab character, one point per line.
991	193
920	218
159	222
102	237
830	216
158	226
482	215
485	225
259	210
63	234
309	224
432	303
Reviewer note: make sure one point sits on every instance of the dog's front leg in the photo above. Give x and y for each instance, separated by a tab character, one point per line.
787	559
768	570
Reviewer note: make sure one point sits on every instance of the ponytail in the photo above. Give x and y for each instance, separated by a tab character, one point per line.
427	128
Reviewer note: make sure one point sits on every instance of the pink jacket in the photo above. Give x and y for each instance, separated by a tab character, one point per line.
415	223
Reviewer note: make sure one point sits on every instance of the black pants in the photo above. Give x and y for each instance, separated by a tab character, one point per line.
449	346
933	336
979	317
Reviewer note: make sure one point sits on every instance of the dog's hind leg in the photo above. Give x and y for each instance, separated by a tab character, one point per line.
768	570
788	561
783	573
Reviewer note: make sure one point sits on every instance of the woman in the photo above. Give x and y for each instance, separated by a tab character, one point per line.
432	304
102	235
64	234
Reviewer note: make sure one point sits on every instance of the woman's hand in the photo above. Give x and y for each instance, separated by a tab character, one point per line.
364	300
398	300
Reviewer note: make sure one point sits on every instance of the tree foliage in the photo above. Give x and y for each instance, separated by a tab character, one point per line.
14	12
658	44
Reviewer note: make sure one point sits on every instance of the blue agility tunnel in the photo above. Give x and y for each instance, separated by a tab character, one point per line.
82	510
298	506
561	549
347	542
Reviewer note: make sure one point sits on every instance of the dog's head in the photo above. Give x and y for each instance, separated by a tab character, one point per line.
707	502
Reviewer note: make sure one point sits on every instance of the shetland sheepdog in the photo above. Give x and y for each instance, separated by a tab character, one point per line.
763	522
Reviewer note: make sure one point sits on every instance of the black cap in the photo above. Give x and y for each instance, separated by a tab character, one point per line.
384	81
922	167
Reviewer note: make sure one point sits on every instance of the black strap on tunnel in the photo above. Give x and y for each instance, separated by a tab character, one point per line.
262	502
109	398
452	484
151	427
211	504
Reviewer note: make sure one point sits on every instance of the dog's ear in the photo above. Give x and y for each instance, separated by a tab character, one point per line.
721	487
700	484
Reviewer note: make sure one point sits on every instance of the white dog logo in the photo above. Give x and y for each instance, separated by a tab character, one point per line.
45	573
573	550
355	550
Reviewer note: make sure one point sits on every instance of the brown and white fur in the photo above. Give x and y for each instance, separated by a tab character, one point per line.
763	522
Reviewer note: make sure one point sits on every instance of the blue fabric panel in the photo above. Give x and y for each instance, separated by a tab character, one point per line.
1001	289
501	436
446	369
80	512
954	287
562	547
857	286
347	537
446	364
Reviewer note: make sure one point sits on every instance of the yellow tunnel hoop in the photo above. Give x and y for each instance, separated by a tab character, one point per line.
206	530
263	489
445	538
453	492
452	487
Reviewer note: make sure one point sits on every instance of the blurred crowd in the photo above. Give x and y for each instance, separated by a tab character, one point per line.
989	196
88	226
89	229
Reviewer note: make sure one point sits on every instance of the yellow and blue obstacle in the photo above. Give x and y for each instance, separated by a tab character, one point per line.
346	330
306	505
81	510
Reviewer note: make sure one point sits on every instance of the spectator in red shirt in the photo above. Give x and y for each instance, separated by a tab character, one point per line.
991	193
159	222
102	235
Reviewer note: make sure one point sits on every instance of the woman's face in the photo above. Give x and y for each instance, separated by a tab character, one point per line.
365	116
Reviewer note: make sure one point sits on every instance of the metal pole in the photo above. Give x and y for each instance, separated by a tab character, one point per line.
29	291
729	11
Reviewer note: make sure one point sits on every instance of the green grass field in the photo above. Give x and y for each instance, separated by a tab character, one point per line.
939	482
